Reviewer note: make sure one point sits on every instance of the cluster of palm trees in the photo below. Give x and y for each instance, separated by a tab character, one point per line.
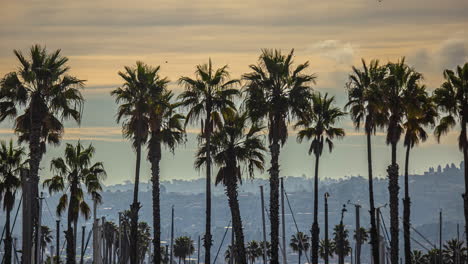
234	115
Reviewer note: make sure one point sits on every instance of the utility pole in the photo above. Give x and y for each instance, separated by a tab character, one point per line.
283	222
96	255
120	238
341	240
263	223
327	249
231	254
440	236
82	244
358	232
57	255
38	230
172	235
198	251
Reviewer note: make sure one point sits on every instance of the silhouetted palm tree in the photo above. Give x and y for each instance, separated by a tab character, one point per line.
49	95
452	99
140	83
317	125
71	174
419	114
183	247
299	243
364	104
46	239
11	164
397	96
209	93
454	252
166	129
417	257
277	92
233	147
254	251
342	242
331	248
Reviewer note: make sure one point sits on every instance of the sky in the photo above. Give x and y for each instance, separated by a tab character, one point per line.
100	37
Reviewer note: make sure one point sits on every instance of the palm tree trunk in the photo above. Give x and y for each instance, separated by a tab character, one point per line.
75	227
315	226
231	190
69	238
274	198
8	239
373	231
300	255
407	211
31	210
393	190
155	157
465	163
135	207
207	241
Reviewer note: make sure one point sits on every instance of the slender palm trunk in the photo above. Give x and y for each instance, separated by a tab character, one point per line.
274	199
465	160
393	190
208	240
407	211
135	207
231	191
315	226
71	257
155	158
30	205
373	231
8	239
300	255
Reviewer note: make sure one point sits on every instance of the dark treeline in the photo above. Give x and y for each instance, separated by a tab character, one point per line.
276	94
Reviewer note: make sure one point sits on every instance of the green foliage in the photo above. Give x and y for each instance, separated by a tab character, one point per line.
11	164
183	247
299	242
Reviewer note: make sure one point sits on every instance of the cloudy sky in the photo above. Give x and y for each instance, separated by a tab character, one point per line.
101	36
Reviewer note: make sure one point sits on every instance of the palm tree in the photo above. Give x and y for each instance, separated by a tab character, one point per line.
49	95
230	254
417	257
331	248
276	92
166	128
299	243
183	247
318	125
397	95
71	174
364	98
364	235
341	241
11	163
144	240
418	116
454	252
452	99
254	251
433	256
46	238
233	147
140	83
210	92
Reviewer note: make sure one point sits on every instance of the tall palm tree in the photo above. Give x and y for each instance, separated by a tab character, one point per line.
144	240
417	116
71	173
317	125
49	95
232	147
11	163
276	92
364	101
166	128
299	243
183	247
140	82
397	95
207	94
254	251
452	99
